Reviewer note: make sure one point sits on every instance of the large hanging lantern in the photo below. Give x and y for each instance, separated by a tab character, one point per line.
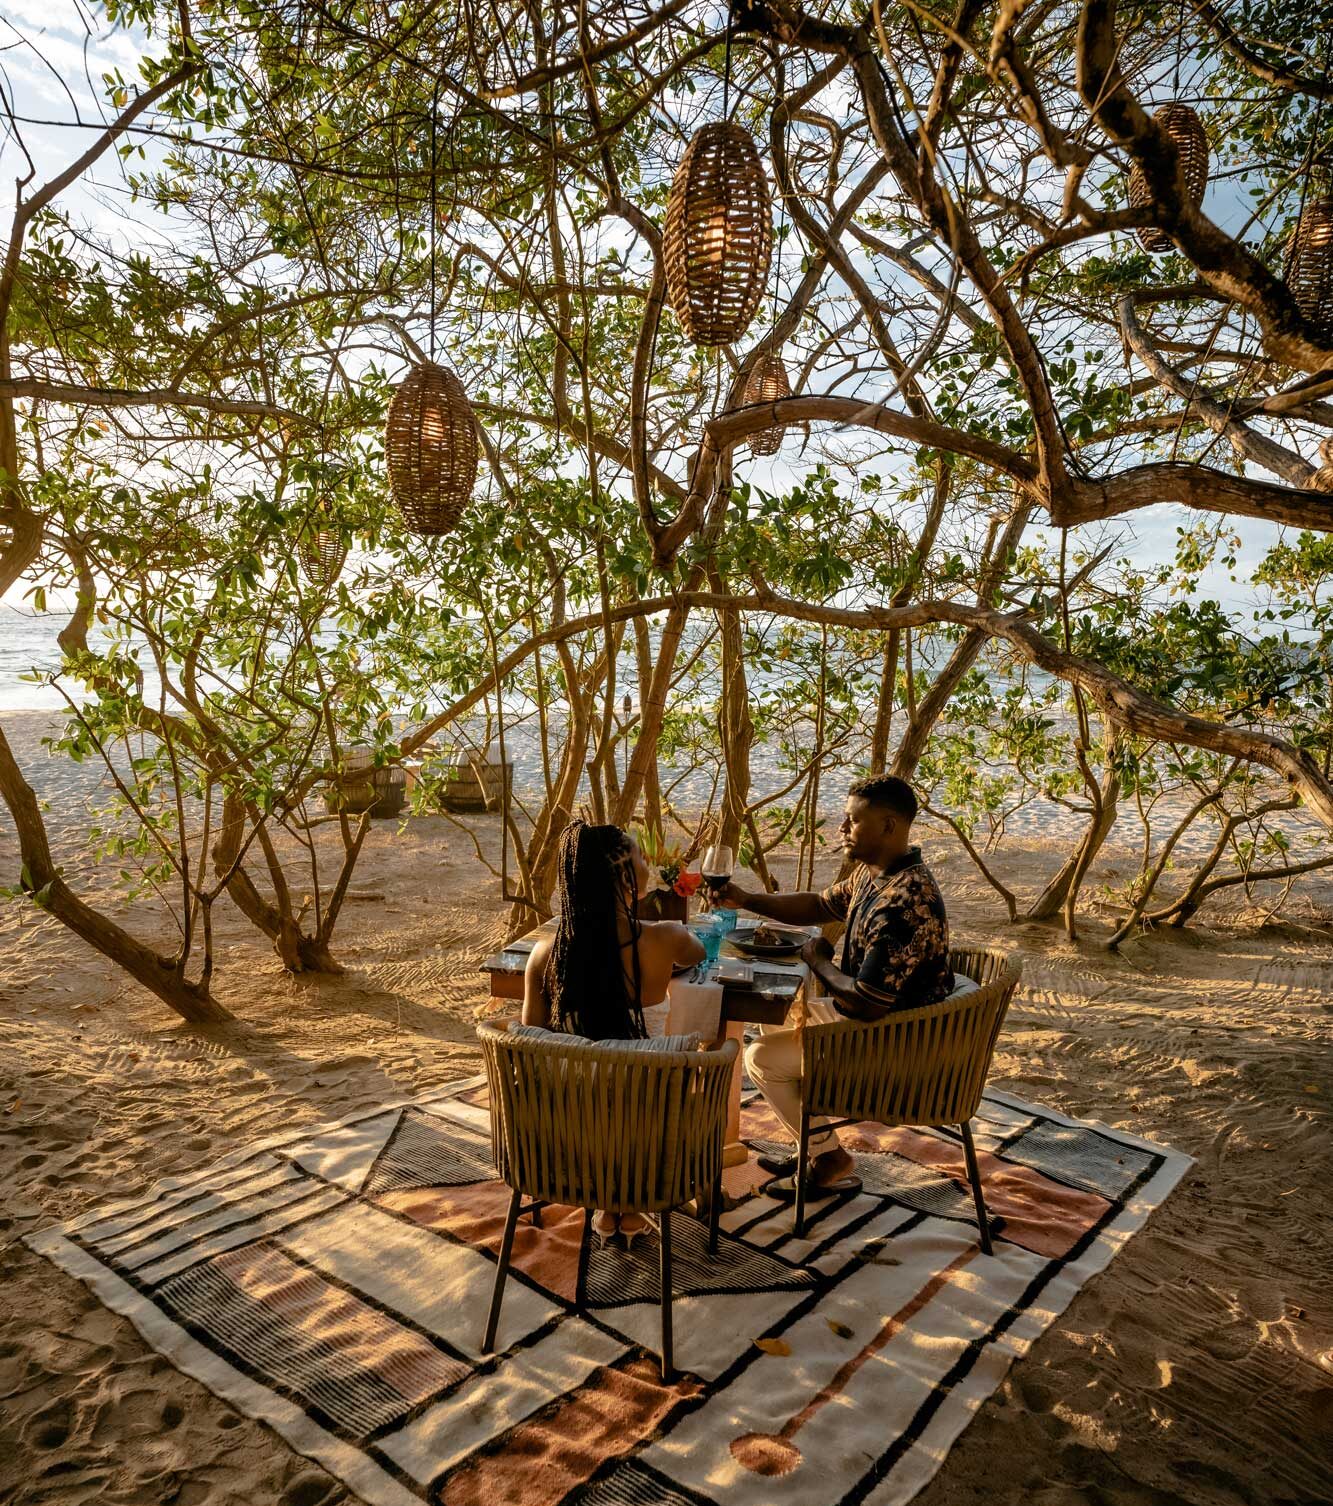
1185	129
1310	266
768	383
430	447
323	552
718	239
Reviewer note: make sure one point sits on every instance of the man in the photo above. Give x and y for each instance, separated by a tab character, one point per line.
894	955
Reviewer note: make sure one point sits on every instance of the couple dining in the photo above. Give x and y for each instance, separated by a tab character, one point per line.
605	972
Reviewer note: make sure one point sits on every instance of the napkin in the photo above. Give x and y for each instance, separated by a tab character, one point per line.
695	1007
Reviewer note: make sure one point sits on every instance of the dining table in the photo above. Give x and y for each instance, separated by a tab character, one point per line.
778	984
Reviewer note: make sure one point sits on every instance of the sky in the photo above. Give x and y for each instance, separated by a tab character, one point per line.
51	49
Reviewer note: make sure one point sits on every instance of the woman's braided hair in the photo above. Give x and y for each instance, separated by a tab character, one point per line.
586	983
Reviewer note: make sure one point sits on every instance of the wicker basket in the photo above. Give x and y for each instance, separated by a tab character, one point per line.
1310	266
363	787
768	383
323	554
430	447
477	785
1185	129
718	239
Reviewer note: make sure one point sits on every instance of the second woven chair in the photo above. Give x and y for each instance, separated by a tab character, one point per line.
921	1067
596	1124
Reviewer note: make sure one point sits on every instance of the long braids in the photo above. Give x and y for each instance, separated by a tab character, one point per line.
586	984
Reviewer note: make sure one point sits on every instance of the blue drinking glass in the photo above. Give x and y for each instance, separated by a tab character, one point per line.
725	917
710	933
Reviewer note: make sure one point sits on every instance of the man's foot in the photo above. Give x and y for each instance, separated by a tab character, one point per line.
776	1165
828	1175
832	1166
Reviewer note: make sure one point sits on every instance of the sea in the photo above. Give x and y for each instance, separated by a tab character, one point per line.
30	655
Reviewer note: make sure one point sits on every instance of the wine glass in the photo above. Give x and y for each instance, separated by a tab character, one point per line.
717	868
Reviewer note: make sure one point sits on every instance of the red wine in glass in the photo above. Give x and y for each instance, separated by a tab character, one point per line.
717	868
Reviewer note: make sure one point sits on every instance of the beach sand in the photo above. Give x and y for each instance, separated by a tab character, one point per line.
1198	1368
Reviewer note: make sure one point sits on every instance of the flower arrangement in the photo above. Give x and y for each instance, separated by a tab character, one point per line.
667	865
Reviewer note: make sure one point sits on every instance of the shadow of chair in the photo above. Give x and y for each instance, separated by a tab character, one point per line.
600	1124
920	1067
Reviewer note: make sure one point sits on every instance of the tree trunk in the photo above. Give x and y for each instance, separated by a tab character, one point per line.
652	787
1053	898
297	952
652	708
931	706
883	729
39	878
736	730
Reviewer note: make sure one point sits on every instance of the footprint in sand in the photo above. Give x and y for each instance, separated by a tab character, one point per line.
50	1428
1233	1341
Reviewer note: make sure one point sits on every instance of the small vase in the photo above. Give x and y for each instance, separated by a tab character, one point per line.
662	904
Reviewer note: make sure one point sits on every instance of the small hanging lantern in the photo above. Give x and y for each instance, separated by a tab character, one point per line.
768	383
718	239
323	552
430	447
1185	129
1322	480
1310	266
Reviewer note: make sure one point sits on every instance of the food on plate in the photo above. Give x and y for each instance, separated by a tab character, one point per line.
774	936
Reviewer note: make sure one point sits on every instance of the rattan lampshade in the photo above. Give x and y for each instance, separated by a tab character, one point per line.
718	239
323	553
768	383
1185	128
1310	265
1322	480
430	446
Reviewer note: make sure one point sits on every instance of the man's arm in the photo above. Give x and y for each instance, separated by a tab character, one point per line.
795	909
835	984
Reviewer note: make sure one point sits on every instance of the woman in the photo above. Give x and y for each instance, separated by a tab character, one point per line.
605	973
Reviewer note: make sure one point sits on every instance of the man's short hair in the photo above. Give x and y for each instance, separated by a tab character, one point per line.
889	793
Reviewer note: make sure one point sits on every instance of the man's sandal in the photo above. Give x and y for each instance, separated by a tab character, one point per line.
776	1165
783	1189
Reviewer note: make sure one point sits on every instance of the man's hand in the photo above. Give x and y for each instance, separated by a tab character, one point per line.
728	897
817	955
815	951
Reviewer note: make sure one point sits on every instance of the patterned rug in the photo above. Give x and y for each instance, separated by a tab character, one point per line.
335	1285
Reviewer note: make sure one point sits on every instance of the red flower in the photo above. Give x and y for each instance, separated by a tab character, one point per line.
687	883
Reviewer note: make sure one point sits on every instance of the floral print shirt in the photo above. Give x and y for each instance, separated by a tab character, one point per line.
896	945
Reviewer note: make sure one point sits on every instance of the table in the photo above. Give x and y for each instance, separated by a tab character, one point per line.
776	988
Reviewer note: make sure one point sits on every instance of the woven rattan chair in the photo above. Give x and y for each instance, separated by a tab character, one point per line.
923	1067
596	1126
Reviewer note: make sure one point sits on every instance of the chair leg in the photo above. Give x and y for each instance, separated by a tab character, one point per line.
974	1176
802	1155
664	1244
715	1215
501	1271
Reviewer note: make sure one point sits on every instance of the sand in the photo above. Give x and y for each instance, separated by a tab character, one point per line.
1198	1368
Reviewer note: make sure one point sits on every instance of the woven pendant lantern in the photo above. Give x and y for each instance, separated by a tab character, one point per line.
1322	480
323	552
430	446
1184	128
718	239
1310	265
768	383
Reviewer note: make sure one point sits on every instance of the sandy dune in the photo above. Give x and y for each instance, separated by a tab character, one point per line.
1198	1368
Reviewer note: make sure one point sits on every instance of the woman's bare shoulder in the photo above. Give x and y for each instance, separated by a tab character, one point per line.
666	935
